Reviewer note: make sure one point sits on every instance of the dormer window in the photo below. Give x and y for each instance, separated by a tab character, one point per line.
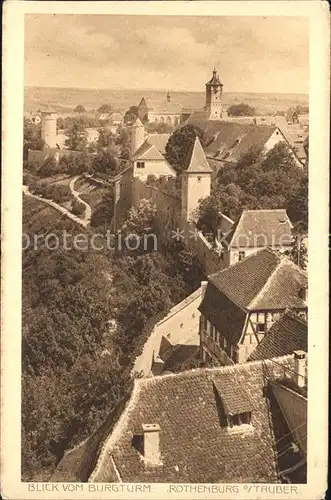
240	418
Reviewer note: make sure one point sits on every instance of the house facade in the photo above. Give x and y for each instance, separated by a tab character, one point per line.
166	111
242	302
145	156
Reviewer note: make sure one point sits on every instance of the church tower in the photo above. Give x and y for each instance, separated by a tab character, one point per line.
214	89
196	180
137	135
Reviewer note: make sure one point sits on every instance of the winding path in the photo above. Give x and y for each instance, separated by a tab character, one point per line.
83	222
75	194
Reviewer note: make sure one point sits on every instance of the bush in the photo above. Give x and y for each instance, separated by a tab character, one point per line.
54	192
241	109
77	208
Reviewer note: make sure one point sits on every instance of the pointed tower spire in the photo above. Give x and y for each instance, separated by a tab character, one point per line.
196	161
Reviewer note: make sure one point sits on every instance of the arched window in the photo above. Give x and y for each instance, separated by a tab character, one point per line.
168	120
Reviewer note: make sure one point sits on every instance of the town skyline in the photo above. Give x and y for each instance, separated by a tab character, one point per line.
162	54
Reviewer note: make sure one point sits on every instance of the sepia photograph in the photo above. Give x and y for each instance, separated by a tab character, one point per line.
165	251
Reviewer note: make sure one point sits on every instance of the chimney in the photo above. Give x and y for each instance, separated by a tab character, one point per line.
300	368
203	288
151	443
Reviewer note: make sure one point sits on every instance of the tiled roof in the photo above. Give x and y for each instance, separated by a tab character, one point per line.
260	228
223	313
228	140
163	107
196	160
159	141
288	334
264	280
147	152
195	444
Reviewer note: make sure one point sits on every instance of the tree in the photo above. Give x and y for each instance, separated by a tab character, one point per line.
79	109
140	220
298	252
31	137
77	139
179	145
103	213
208	212
106	139
241	109
105	162
297	204
131	114
105	108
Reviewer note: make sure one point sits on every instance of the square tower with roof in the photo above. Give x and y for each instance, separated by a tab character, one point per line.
196	180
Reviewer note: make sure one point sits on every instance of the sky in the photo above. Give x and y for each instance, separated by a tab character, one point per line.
251	54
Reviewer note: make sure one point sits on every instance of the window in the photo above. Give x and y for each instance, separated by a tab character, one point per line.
240	418
260	327
199	179
235	355
140	164
225	344
205	322
241	255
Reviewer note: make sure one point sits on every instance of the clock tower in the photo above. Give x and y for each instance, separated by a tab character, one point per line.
214	89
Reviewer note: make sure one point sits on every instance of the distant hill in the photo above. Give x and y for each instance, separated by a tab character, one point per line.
64	100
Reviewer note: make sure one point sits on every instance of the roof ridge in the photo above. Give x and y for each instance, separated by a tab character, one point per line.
264	210
283	260
240	262
211	370
288	312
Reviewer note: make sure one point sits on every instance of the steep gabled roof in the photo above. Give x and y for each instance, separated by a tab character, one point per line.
196	161
287	335
289	113
228	317
264	280
195	443
147	152
260	228
159	141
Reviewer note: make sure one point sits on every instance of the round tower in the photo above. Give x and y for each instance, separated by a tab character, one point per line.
48	127
137	135
214	90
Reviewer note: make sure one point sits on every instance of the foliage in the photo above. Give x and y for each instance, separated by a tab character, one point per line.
259	181
77	208
241	109
105	108
106	139
82	121
76	137
75	164
31	137
298	252
140	219
131	114
84	315
59	193
49	167
207	213
179	145
297	204
79	109
103	214
187	263
105	162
